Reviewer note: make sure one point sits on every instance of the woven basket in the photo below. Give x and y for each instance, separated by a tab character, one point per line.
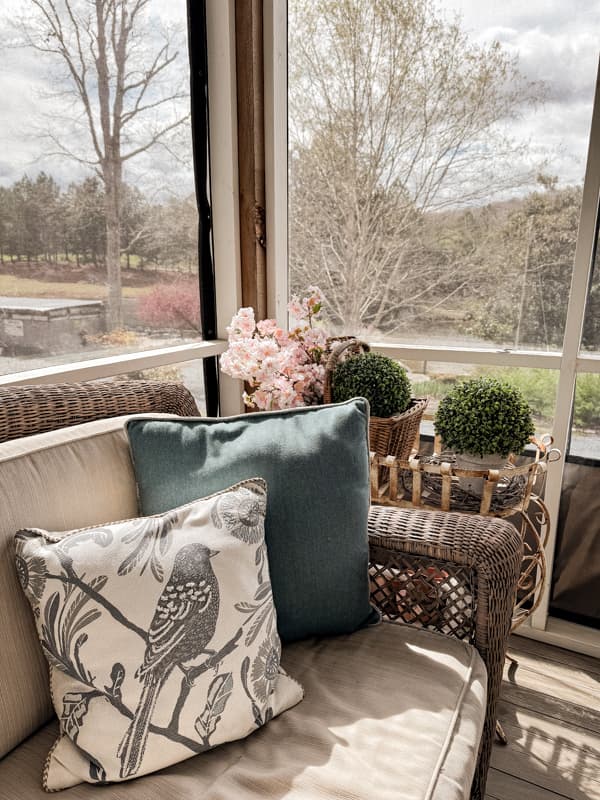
394	436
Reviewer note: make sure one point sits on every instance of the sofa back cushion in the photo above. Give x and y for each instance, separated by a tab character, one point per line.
60	480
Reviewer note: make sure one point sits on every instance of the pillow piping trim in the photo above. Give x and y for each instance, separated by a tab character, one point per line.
133	418
46	769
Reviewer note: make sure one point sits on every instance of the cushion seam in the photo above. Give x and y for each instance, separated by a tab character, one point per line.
450	730
80	436
56	445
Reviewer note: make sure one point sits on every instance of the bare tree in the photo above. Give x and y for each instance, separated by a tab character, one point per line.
395	117
114	68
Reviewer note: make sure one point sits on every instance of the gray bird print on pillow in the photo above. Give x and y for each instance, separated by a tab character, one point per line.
183	624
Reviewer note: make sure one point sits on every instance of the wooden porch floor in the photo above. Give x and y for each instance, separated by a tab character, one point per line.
550	710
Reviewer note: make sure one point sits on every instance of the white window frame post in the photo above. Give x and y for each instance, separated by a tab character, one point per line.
572	361
222	104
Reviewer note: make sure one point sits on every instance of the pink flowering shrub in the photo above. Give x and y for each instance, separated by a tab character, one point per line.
283	368
171	305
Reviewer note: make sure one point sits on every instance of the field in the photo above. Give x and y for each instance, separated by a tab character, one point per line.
13	286
69	280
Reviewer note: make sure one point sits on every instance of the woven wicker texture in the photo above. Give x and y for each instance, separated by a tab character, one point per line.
433	483
427	593
453	573
338	350
395	435
25	410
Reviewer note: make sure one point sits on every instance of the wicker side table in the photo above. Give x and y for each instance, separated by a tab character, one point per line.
514	491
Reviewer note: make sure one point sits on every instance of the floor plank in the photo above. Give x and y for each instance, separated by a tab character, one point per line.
568	683
578	661
528	695
504	786
552	762
550	709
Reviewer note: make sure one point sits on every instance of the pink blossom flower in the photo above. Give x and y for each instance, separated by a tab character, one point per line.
296	310
315	295
267	327
262	399
281	337
267	347
283	367
242	325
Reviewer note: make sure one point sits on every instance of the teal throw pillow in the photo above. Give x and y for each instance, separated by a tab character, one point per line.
315	461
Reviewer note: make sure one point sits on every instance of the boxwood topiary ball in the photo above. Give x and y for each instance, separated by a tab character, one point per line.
381	380
484	416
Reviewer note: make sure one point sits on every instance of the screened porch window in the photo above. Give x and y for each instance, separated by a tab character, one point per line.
99	245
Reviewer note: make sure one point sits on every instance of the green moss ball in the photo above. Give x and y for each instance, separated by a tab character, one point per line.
381	380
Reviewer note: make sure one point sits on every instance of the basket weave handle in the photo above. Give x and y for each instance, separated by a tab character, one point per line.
340	347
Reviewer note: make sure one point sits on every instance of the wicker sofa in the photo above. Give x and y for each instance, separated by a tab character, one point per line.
399	710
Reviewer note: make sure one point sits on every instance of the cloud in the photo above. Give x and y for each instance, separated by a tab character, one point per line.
553	16
565	62
556	44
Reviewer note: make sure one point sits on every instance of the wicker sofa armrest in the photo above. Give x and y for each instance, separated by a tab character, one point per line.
25	410
454	573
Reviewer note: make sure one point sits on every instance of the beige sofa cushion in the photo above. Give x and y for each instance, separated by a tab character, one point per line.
389	712
60	480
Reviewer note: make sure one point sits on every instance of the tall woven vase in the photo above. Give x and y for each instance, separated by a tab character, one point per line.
393	436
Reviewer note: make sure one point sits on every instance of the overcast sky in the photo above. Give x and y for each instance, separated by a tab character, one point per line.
556	41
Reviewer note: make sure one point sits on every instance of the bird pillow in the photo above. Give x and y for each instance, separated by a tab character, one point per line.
160	633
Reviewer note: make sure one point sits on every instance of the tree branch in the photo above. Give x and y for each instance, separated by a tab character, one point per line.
156	138
188	680
72	579
168	733
139	109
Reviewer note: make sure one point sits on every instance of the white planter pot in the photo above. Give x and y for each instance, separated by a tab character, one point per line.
474	462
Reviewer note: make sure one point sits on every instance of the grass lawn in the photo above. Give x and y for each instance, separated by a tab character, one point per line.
12	286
